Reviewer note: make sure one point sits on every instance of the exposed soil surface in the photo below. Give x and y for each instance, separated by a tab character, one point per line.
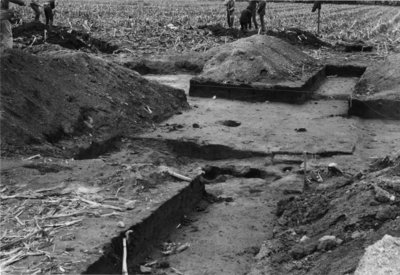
292	35
299	37
217	188
333	204
225	236
335	87
33	37
258	58
82	205
381	80
377	94
329	218
73	96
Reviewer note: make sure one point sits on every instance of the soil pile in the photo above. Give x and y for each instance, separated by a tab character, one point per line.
49	98
32	34
258	58
377	94
219	30
192	62
325	229
381	80
297	36
292	35
275	53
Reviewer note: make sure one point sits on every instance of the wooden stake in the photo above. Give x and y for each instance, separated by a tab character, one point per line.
305	170
319	19
125	253
124	256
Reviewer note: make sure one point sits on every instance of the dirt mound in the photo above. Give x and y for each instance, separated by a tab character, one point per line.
219	30
377	94
292	35
381	79
258	58
32	34
192	62
298	37
325	229
62	95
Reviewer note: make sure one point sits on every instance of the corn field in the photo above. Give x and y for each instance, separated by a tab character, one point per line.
159	26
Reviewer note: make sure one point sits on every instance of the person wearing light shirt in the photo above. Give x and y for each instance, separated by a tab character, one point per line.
6	38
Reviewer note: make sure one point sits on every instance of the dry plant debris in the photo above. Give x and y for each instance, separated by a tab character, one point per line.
30	222
145	27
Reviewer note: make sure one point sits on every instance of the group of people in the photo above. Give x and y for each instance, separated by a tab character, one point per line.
6	40
48	7
248	15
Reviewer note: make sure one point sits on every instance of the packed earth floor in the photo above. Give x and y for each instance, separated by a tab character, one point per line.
108	160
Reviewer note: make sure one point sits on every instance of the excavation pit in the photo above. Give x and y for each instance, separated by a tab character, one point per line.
174	201
148	231
264	68
289	92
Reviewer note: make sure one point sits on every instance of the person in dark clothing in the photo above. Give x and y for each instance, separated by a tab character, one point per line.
245	19
48	8
316	6
261	13
230	9
35	7
253	8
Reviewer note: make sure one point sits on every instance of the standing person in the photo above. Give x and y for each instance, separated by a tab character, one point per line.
230	9
245	20
316	6
261	13
6	38
48	12
253	8
35	7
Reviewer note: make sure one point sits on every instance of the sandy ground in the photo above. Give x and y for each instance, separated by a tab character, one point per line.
274	127
223	239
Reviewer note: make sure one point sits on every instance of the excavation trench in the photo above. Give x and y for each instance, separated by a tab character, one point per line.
195	150
223	234
218	227
332	82
218	221
313	88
